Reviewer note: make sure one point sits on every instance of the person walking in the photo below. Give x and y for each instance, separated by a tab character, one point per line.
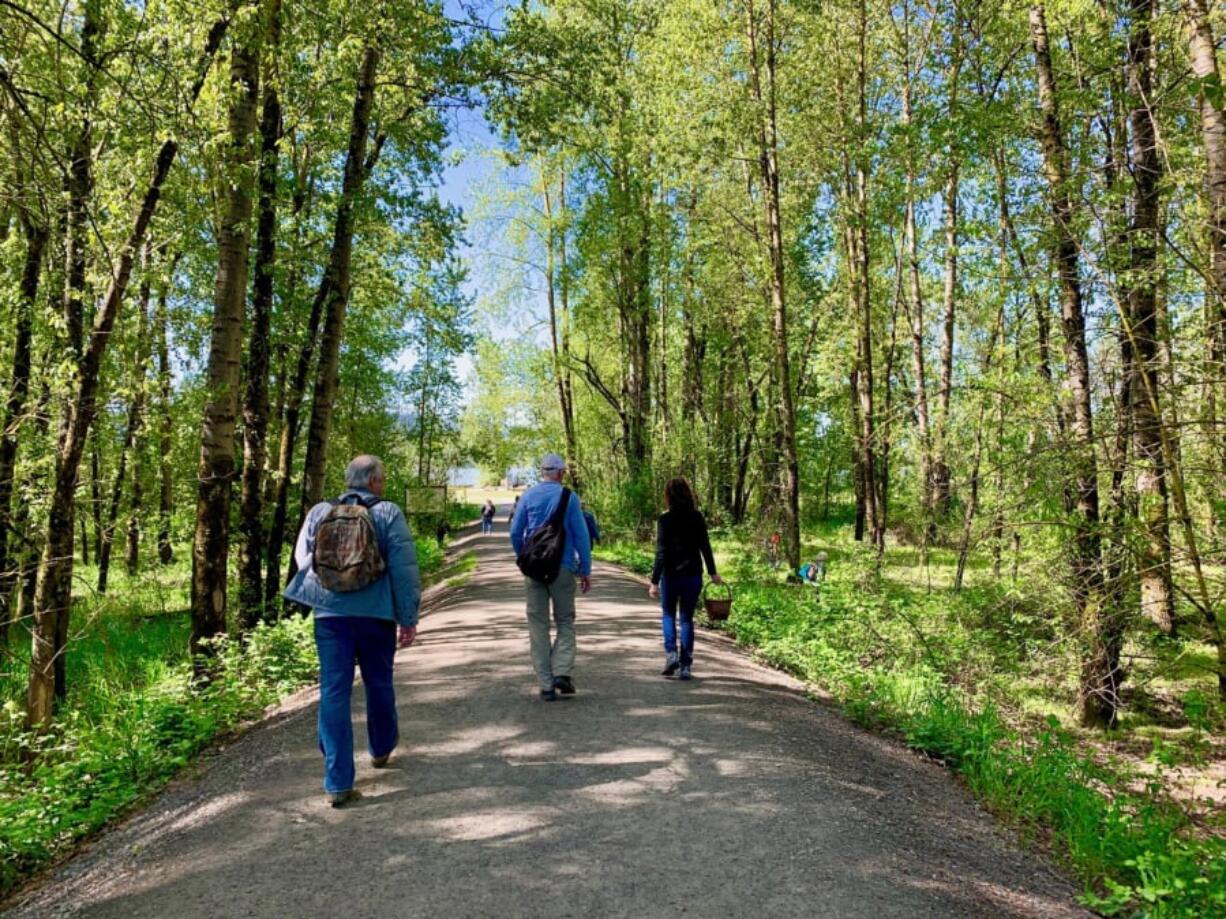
514	508
357	570
682	546
487	517
554	663
593	529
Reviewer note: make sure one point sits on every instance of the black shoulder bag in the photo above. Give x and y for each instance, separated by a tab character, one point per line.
541	558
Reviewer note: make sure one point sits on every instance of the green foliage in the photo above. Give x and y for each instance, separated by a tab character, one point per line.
86	771
935	668
627	553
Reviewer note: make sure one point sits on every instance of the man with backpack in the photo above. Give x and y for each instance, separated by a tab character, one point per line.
553	551
357	569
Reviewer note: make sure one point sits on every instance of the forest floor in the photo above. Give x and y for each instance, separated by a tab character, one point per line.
731	795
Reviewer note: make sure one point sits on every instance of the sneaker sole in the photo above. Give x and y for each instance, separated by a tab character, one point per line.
345	801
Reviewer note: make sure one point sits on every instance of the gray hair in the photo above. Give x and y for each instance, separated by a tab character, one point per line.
362	470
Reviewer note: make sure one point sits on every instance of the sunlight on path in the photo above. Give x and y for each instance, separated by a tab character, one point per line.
732	795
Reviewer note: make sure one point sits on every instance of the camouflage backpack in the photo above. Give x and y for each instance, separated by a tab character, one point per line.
347	556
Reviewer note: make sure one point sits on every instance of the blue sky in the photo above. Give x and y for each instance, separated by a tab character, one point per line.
467	168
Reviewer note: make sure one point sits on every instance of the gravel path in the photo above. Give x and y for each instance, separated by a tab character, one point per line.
732	795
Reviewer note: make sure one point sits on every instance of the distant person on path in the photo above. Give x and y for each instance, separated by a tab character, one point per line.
514	508
554	663
487	516
357	569
593	529
682	546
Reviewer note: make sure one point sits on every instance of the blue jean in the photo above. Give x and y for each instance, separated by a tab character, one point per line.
371	642
683	591
487	524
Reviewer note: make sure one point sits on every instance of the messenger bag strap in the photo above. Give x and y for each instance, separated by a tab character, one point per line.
560	511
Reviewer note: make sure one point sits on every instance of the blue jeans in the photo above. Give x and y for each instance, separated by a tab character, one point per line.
487	524
341	640
680	591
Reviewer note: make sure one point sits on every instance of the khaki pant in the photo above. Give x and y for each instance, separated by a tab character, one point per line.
557	659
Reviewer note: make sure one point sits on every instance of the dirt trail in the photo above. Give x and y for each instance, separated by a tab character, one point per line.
732	795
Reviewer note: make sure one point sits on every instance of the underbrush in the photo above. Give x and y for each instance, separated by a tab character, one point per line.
943	670
135	711
460	514
86	769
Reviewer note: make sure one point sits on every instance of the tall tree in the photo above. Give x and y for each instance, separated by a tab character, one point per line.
1102	632
763	64
255	393
333	293
211	548
53	593
1140	314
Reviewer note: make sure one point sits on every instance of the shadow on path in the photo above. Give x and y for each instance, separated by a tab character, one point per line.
731	795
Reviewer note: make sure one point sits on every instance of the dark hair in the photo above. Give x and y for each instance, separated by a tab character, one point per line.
678	495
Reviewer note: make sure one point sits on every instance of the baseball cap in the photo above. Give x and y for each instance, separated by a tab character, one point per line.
551	462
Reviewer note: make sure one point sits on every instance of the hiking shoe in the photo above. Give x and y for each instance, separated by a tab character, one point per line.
380	761
342	798
565	685
671	663
549	695
685	673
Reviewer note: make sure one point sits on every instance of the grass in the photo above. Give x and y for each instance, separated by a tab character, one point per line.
981	679
98	760
135	712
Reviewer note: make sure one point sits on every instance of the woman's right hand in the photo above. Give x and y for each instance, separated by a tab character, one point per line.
716	579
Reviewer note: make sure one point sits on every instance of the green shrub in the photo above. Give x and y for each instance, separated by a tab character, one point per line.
927	666
84	771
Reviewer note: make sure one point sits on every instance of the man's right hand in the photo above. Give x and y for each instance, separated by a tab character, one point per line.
585	583
406	635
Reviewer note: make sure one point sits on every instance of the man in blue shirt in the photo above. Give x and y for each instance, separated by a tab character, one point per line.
554	662
365	625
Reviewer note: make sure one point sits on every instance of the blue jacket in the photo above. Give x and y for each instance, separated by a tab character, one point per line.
396	595
535	508
593	529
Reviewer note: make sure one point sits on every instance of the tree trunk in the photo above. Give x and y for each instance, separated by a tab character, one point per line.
112	510
1202	46
565	408
1140	314
763	67
211	547
255	395
915	318
166	551
14	409
131	556
860	266
53	593
1100	674
79	185
95	493
972	501
333	292
290	423
941	477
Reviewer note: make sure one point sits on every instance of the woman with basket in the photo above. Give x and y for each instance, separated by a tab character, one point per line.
682	546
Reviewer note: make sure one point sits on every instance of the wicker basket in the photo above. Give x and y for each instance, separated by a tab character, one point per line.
717	609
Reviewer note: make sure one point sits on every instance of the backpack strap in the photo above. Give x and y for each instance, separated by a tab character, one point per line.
367	503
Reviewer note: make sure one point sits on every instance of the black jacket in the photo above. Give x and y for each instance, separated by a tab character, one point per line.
682	545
